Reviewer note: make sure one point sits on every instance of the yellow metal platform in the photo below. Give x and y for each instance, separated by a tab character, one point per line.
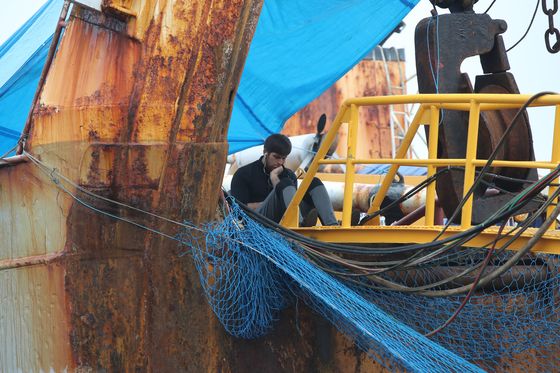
428	114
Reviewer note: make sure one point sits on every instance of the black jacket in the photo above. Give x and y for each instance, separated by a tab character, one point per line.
251	183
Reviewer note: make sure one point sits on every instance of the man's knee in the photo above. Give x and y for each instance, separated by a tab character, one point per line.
281	186
315	183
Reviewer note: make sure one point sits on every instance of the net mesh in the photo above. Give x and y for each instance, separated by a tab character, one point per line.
250	272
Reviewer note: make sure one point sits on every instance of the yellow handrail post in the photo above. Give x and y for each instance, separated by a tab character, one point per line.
290	218
472	141
352	142
554	158
432	154
389	177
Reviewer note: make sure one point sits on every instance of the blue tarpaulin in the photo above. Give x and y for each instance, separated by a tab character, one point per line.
22	57
299	49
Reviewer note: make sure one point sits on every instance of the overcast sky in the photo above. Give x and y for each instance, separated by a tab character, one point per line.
534	68
14	14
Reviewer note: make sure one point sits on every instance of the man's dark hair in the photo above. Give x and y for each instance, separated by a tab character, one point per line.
278	143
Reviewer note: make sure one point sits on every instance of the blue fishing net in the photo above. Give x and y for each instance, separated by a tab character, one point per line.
249	273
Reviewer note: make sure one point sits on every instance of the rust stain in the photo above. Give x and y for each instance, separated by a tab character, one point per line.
45	110
136	109
29	261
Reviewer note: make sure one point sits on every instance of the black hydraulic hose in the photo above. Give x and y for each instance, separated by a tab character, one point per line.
516	236
416	289
389	285
407	289
467	271
469	294
509	263
352	249
521	204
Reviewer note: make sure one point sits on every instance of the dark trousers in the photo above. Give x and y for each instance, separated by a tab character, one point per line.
275	204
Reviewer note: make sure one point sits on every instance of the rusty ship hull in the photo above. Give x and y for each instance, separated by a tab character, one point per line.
135	107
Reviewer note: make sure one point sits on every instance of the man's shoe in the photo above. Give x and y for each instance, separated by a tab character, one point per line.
354	218
310	220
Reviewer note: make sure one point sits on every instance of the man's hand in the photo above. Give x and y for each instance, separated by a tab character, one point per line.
275	175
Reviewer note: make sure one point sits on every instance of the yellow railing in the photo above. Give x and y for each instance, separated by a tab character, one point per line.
427	114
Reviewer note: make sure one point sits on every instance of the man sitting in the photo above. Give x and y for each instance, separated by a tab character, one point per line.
267	186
